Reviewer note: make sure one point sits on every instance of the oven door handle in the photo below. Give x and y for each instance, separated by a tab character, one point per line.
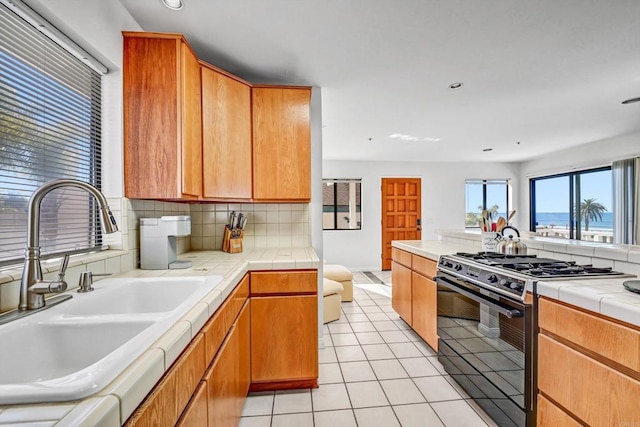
506	311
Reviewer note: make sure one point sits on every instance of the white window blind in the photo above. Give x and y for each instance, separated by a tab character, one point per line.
50	110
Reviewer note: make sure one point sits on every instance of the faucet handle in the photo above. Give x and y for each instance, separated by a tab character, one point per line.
85	283
63	267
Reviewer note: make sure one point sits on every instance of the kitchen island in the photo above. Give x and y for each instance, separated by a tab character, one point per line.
113	405
587	331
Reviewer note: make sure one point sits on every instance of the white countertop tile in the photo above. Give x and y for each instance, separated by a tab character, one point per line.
136	381
432	249
605	296
43	412
103	411
621	310
174	341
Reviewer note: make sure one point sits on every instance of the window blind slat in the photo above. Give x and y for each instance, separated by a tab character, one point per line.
50	127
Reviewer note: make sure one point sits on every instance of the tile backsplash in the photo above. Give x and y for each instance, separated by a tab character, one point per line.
279	225
268	225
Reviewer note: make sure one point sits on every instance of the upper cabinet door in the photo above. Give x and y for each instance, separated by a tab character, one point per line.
162	118
226	136
191	123
281	144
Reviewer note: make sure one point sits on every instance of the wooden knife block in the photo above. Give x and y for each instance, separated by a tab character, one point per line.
230	245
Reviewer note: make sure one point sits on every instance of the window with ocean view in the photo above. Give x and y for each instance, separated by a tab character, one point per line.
575	205
485	194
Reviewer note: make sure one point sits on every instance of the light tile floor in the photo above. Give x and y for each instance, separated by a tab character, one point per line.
374	372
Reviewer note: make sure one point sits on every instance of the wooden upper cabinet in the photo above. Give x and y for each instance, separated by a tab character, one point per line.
162	117
191	122
226	135
281	144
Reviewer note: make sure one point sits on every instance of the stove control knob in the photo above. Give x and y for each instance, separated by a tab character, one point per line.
448	264
505	283
516	287
458	267
492	278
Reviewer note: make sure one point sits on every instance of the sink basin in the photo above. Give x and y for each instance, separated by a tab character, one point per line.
74	349
50	350
140	296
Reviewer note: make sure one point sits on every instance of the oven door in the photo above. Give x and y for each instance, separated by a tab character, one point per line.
485	344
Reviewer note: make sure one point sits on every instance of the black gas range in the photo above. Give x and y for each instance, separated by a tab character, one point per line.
510	274
486	326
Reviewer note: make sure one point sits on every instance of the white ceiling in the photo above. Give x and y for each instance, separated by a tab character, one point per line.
550	74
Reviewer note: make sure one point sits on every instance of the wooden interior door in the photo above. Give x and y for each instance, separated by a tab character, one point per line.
401	213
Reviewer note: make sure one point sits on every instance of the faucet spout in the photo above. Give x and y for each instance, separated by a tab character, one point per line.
31	284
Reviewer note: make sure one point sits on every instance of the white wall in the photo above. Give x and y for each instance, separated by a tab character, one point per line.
588	156
443	203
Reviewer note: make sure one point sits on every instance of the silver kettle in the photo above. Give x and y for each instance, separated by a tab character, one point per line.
510	246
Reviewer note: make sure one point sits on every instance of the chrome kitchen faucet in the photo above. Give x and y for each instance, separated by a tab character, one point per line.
32	287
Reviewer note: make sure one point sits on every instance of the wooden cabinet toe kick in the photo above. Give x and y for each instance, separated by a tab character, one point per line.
284	385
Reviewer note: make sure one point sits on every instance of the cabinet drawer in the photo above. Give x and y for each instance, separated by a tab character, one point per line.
423	266
169	398
401	257
284	282
217	327
593	392
615	342
549	415
238	297
188	371
195	415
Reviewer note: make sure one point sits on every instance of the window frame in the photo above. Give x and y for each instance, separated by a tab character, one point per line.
574	178
72	88
485	182
335	203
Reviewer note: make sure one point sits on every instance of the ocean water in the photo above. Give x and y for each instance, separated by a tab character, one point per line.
561	219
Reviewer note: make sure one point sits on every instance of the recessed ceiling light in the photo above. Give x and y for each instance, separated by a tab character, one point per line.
456	85
631	101
487	149
173	4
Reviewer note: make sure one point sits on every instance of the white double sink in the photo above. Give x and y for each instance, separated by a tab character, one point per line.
74	349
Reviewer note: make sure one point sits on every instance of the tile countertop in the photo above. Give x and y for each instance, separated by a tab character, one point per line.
113	405
432	249
605	296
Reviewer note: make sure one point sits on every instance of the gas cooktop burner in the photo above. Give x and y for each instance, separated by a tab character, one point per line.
531	265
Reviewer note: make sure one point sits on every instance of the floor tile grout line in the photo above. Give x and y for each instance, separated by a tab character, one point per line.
369	361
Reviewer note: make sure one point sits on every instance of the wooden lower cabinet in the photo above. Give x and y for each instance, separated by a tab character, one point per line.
228	377
284	340
269	341
401	291
579	382
243	326
424	302
549	415
196	414
166	402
